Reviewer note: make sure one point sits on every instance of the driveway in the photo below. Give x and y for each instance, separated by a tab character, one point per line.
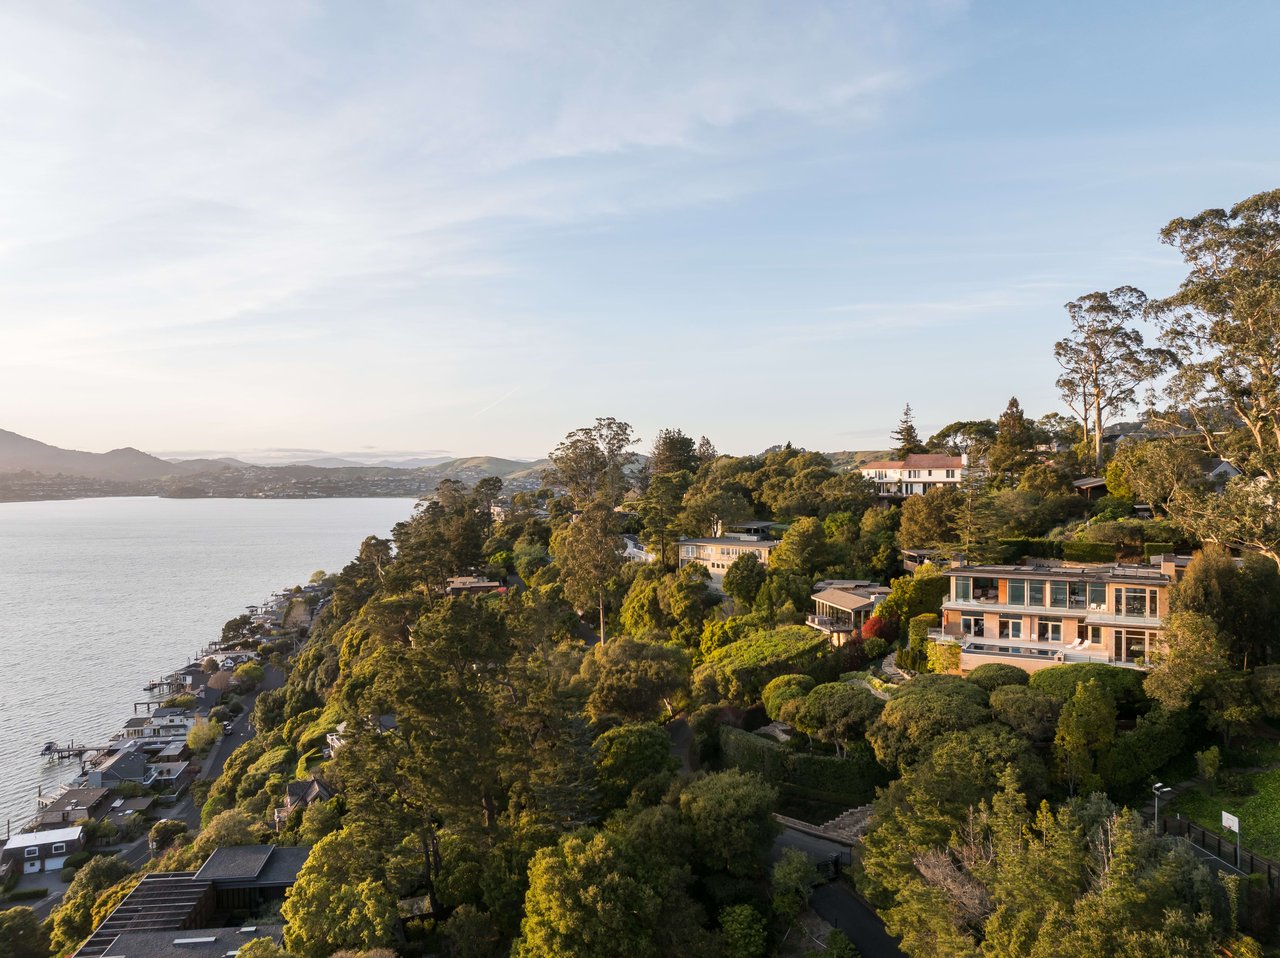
836	903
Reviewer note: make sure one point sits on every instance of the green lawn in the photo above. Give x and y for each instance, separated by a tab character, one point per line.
1259	812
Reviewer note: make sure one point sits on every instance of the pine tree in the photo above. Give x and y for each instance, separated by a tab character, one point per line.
905	436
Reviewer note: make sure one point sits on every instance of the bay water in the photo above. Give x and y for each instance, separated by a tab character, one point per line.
100	596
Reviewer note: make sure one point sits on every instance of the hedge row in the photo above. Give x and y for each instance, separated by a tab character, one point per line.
1080	551
851	780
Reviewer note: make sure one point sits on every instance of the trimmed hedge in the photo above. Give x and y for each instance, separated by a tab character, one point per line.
1079	551
1015	549
851	780
738	672
753	753
1157	549
28	894
1123	685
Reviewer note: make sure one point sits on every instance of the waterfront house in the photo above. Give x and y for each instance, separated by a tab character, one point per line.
162	724
128	763
915	475
1034	616
43	851
173	777
71	806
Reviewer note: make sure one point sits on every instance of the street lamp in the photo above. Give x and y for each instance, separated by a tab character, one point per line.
1160	788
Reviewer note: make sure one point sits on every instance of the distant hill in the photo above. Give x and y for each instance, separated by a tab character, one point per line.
18	453
477	467
853	458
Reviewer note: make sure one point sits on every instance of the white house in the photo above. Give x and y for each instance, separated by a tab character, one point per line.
43	851
915	475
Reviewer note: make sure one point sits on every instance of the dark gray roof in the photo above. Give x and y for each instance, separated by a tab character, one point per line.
191	943
284	864
241	862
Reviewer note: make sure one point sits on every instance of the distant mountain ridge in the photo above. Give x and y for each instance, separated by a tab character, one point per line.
21	454
18	453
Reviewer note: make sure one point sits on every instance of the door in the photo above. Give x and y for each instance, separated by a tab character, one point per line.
31	865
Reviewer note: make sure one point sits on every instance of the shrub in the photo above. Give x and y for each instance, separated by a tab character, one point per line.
1079	551
1030	711
1124	685
28	894
876	628
77	859
752	753
66	874
1265	684
874	648
995	674
784	689
1150	549
943	657
1015	549
850	780
740	671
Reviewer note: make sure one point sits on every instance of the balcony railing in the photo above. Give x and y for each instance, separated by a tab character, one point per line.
825	623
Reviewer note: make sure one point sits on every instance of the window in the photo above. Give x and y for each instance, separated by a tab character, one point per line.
1049	630
1135	602
1058	595
1077	595
59	848
951	473
31	852
1098	596
1095	635
1010	626
1035	593
1017	592
973	625
964	588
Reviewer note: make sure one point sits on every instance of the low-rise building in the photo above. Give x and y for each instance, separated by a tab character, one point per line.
1039	615
717	553
916	474
190	913
43	851
71	806
471	585
842	606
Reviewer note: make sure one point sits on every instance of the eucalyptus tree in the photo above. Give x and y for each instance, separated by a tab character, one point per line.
1222	332
1104	359
591	463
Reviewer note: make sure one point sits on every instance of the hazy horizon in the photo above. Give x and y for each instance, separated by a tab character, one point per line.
376	227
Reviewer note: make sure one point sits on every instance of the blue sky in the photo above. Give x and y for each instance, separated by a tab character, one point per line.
394	227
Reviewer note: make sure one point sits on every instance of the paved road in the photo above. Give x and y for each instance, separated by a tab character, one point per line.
836	903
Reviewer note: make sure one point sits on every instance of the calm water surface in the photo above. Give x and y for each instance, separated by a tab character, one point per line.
99	596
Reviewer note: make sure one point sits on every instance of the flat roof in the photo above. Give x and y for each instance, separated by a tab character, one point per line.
1113	572
730	540
193	942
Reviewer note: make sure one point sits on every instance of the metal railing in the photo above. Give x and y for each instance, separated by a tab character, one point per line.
1224	849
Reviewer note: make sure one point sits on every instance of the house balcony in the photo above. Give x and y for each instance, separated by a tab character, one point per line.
1025	652
825	623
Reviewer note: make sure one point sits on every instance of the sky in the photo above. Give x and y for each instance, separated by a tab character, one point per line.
397	228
